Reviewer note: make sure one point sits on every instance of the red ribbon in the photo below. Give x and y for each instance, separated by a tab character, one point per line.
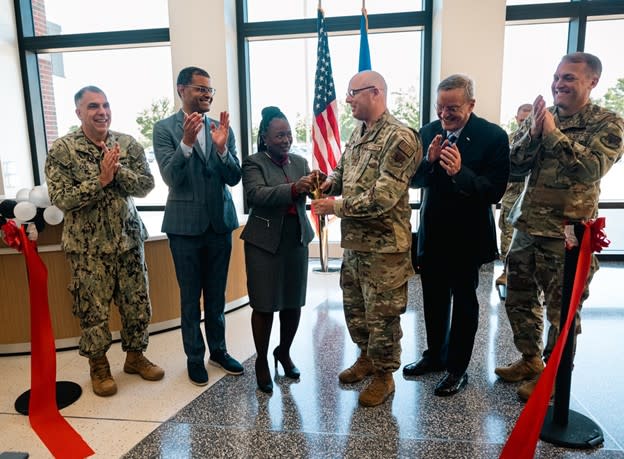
52	428
11	235
522	442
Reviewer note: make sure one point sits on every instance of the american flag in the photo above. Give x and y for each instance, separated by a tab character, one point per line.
325	134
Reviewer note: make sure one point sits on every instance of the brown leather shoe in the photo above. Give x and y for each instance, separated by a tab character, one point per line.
137	363
101	379
502	279
378	390
362	368
524	368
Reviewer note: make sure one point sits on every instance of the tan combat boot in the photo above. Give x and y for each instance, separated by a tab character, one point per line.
525	368
101	379
378	390
362	368
526	389
502	279
137	363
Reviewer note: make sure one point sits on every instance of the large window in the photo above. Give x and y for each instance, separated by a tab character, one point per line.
610	90
278	62
556	28
15	162
294	95
87	16
525	72
126	57
132	101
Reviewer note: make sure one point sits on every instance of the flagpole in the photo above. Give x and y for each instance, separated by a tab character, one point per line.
321	220
325	131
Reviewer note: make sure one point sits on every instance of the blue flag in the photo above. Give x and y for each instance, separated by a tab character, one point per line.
365	61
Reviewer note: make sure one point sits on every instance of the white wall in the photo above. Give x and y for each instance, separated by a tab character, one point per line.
16	171
468	37
203	34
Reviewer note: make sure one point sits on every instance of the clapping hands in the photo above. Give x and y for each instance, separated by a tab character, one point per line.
110	164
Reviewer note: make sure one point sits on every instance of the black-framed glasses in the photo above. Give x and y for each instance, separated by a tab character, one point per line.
354	92
202	89
452	109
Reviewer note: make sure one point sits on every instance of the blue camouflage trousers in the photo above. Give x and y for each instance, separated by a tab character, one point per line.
374	289
99	280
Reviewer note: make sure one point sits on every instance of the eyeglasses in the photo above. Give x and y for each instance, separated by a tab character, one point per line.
452	109
202	89
354	92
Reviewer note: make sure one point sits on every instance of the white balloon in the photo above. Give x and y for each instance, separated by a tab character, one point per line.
22	195
53	215
39	197
25	211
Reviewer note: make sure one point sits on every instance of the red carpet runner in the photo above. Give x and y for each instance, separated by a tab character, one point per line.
53	430
522	442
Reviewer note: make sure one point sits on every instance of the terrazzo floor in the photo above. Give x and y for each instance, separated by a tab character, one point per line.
318	417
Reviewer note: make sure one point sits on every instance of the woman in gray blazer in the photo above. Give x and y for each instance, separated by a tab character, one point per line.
276	238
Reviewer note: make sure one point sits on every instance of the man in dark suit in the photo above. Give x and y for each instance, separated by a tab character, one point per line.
196	156
465	172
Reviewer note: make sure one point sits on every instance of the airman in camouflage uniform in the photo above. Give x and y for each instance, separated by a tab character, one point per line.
512	192
373	178
566	149
92	174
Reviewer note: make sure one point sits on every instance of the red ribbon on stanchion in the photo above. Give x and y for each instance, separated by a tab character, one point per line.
11	235
52	428
522	442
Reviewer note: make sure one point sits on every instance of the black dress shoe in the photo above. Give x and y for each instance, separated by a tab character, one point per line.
423	366
450	384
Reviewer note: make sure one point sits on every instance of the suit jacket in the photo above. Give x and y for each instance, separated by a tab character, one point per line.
198	197
456	220
269	195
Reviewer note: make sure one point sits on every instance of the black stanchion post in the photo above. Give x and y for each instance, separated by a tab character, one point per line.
562	426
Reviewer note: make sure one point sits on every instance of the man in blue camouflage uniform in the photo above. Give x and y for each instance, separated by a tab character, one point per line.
92	174
566	149
373	178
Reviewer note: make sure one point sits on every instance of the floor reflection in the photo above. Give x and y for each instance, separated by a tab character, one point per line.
318	417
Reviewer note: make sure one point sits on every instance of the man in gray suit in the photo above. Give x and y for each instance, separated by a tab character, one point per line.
196	156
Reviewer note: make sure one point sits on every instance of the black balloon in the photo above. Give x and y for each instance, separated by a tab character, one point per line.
38	219
6	208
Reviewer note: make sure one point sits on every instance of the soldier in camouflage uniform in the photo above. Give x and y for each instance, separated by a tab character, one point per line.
373	178
514	188
566	149
92	174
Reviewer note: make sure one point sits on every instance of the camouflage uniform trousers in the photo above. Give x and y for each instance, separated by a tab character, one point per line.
373	303
514	189
98	280
535	265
